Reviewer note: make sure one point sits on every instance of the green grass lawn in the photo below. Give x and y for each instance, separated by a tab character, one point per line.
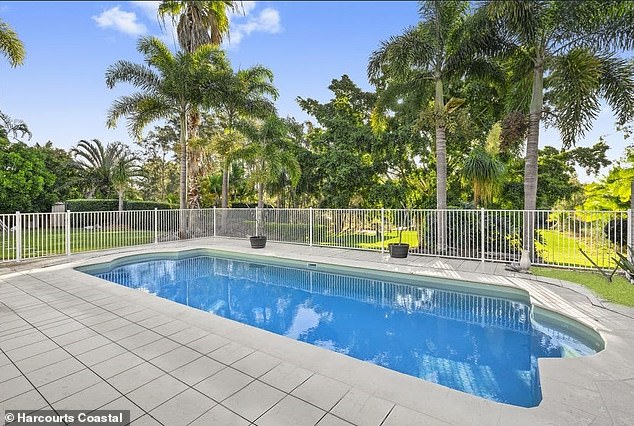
561	248
48	243
618	291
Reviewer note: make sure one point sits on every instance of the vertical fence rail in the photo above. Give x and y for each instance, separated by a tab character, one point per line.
557	237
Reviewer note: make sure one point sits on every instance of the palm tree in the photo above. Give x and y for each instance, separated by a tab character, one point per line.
569	51
198	22
432	52
105	167
245	94
484	169
171	85
10	45
269	154
574	43
14	127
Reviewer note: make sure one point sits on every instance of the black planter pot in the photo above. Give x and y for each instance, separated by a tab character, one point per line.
258	241
399	250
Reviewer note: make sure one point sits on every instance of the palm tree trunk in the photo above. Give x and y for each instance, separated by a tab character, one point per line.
225	186
441	168
532	150
260	195
120	193
182	226
193	187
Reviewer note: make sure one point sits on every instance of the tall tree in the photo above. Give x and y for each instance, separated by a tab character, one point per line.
15	128
432	52
171	85
10	45
246	93
568	53
269	154
106	168
198	23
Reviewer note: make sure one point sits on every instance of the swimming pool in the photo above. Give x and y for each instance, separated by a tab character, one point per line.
476	339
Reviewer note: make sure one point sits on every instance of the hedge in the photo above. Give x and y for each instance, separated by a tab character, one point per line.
95	205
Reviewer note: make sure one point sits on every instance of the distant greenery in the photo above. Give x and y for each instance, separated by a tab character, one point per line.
619	290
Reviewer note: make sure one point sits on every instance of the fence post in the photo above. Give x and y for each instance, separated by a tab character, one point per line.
482	232
67	232
310	226
18	236
214	221
382	229
629	232
155	225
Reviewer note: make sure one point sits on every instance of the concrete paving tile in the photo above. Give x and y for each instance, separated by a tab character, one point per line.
101	354
197	370
124	403
208	343
330	420
42	360
25	338
61	329
230	353
123	332
188	335
68	385
8	372
321	391
86	345
362	408
610	392
156	348
220	415
146	420
155	321
89	399
291	411
111	325
141	339
31	350
14	387
135	377
176	358
286	376
74	336
404	416
256	364
117	364
183	408
54	371
253	400
223	384
30	400
170	328
156	392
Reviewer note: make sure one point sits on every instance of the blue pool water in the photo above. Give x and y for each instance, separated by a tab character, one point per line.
483	345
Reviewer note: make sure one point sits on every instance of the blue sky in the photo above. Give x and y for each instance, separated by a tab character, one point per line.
61	94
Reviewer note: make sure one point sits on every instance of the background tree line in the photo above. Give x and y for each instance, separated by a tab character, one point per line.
453	120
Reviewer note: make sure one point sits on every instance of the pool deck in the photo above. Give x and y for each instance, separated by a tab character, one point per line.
73	341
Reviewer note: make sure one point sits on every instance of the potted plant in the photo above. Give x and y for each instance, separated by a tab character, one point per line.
399	250
258	241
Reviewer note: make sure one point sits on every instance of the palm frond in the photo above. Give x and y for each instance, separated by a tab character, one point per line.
138	75
11	46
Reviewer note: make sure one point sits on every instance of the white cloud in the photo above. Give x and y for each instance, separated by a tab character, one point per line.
150	8
120	20
268	21
246	7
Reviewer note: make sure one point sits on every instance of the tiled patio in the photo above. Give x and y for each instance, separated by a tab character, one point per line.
72	341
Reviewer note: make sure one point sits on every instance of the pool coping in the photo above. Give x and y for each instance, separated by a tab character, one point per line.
583	390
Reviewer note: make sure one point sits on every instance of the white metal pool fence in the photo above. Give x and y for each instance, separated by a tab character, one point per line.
486	235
